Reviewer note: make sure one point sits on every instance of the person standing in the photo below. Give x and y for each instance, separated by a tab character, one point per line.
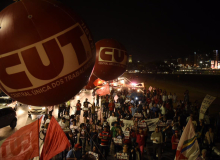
93	112
140	139
170	98
157	139
209	139
86	109
105	137
175	141
83	137
111	106
93	136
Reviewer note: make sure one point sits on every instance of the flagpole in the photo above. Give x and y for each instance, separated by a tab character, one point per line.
38	138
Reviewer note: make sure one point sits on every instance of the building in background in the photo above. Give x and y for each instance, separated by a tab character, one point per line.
130	59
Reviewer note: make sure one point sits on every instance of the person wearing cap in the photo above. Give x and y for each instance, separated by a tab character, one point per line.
175	140
75	152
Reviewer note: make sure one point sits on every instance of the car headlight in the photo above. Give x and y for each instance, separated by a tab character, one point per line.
29	107
43	108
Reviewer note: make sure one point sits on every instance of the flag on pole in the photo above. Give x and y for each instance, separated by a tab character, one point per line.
23	144
55	141
103	90
188	147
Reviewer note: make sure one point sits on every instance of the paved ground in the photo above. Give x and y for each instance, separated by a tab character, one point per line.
23	120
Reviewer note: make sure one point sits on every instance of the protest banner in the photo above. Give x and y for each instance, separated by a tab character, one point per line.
138	115
118	141
127	134
152	123
142	124
127	123
122	156
205	105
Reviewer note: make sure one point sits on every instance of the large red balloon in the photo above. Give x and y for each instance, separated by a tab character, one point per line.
90	84
46	52
111	59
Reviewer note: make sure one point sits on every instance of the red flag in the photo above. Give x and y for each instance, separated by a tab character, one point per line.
55	141
23	144
103	90
98	82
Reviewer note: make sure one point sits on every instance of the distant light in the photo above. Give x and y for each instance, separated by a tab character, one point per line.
77	97
133	84
123	81
138	61
138	90
200	61
136	97
119	89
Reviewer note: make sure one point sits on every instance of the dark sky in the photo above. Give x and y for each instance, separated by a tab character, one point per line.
153	30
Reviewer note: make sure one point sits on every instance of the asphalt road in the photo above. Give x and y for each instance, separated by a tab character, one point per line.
22	120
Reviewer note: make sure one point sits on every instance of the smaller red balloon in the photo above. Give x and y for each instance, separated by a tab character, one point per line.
111	59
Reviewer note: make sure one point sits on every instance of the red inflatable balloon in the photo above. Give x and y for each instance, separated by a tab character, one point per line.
46	52
111	59
90	84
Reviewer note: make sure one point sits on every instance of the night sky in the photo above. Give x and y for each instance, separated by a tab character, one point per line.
152	30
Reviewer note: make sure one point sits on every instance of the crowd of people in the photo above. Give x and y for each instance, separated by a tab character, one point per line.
136	105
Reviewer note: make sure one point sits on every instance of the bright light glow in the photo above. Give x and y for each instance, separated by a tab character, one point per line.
200	61
102	88
29	107
43	108
138	90
19	112
123	81
119	89
77	97
133	84
136	97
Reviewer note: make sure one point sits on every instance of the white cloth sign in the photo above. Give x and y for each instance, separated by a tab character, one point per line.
142	124
205	105
152	123
127	123
110	120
